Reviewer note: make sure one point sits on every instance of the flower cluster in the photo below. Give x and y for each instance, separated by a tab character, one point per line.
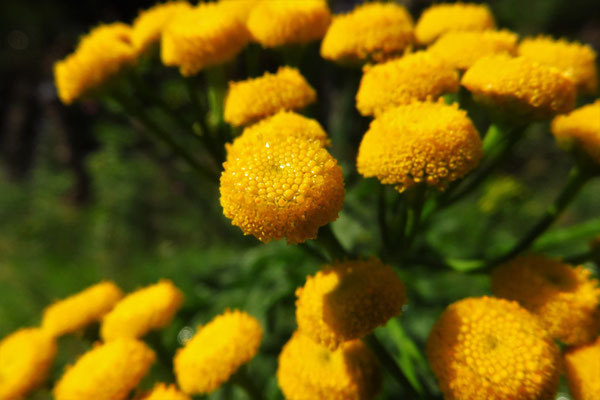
580	129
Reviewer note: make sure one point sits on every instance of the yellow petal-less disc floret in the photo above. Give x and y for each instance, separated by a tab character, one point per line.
492	349
208	35
280	182
25	360
152	307
241	8
309	371
216	352
420	142
373	31
100	55
347	301
415	77
520	87
462	49
281	22
149	24
165	392
580	129
107	372
77	311
582	366
253	99
575	60
441	18
565	298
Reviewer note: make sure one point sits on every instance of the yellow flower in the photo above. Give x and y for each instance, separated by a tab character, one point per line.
164	392
275	23
347	301
575	60
77	311
100	55
441	18
107	372
253	99
149	24
152	307
565	298
420	142
216	351
207	35
492	349
373	30
25	360
414	77
580	128
461	49
309	371
520	87
583	371
241	8
279	181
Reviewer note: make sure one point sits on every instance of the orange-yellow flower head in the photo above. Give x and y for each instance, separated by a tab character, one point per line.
420	142
309	371
580	129
281	22
565	298
77	311
347	301
253	99
107	372
216	352
165	392
441	18
375	31
583	371
152	307
207	35
280	182
414	77
461	49
520	87
575	60
241	8
149	24
25	360
100	55
492	349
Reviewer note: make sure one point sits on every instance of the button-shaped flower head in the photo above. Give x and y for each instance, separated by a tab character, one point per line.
583	371
492	349
580	129
165	392
310	371
148	26
420	142
253	99
216	352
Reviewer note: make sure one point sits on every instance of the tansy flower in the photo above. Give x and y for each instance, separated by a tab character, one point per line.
565	298
149	24
241	8
275	23
279	182
414	77
347	301
575	60
100	55
441	18
580	129
207	35
309	371
25	360
164	392
520	87
216	352
583	371
492	349
372	31
461	49
253	99
107	372
149	308
77	311
420	142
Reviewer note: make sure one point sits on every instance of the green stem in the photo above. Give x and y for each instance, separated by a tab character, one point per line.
201	127
414	221
327	240
244	381
381	219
